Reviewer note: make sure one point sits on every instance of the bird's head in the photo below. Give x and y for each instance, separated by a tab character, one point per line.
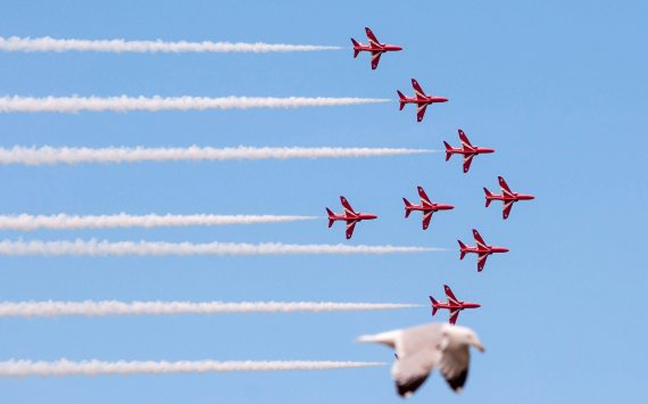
465	336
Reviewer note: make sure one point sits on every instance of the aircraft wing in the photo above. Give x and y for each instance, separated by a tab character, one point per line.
478	238
372	38
427	217
420	112
375	59
347	207
451	297
467	160
508	205
418	90
454	315
481	261
464	140
350	226
504	186
424	198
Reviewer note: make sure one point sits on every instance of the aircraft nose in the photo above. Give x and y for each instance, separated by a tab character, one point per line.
505	250
443	99
398	48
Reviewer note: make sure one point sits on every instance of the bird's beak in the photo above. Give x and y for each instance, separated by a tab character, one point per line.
479	346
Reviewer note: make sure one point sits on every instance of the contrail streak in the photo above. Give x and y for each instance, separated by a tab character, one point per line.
157	308
97	248
75	155
63	221
48	44
64	367
125	103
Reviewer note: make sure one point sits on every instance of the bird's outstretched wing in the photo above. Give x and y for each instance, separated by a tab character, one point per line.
454	365
419	349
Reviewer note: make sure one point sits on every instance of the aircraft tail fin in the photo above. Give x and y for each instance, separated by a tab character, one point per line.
401	97
330	217
448	148
462	248
355	45
407	205
434	303
488	195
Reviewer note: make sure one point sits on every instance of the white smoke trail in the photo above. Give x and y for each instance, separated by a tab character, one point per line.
64	367
62	221
75	155
125	103
98	248
116	308
48	44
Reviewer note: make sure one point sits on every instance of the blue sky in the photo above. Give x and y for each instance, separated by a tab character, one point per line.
558	88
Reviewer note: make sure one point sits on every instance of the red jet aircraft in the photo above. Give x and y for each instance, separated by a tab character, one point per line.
421	100
376	48
468	150
482	250
350	216
426	206
454	305
507	196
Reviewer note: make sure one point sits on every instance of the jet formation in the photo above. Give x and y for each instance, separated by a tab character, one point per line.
420	349
376	49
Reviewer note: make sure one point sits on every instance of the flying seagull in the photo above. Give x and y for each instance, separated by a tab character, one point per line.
419	349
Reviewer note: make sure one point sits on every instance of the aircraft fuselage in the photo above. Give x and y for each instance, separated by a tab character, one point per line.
460	306
427	208
382	48
515	197
427	100
489	250
476	150
358	217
